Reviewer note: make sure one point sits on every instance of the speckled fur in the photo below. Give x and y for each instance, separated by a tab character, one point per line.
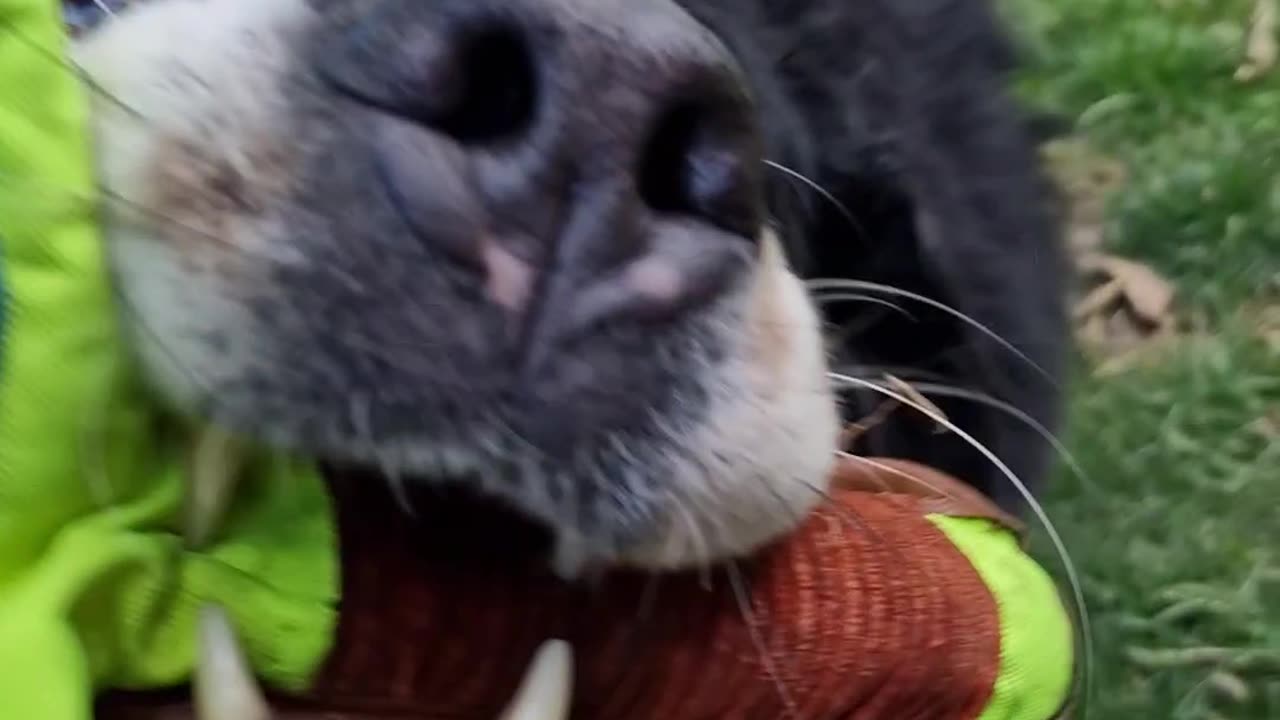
270	289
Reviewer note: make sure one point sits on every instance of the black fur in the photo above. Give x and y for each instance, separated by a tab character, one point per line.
900	109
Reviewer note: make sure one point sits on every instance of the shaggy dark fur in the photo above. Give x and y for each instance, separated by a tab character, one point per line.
899	108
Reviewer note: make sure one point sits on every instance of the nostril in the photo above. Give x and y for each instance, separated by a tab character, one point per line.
700	161
474	80
494	92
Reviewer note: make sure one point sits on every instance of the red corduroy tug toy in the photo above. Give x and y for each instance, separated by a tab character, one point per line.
907	596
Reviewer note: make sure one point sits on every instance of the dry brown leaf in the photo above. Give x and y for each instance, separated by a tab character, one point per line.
1230	686
1266	323
1125	332
1147	294
1268	426
1118	344
1261	49
1093	332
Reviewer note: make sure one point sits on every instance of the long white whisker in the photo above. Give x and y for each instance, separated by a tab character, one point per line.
909	374
896	472
1051	530
821	284
697	542
851	516
395	481
71	66
826	298
1058	447
105	8
826	194
749	617
359	411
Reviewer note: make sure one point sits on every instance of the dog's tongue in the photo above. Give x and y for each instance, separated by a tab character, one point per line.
866	611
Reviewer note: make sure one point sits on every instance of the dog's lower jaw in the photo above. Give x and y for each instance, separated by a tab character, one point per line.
749	477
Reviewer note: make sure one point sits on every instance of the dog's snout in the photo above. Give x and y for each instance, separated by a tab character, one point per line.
580	136
512	246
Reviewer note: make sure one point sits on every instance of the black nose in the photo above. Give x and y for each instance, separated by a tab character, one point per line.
607	140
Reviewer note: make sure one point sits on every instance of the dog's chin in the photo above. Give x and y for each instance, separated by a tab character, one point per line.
672	536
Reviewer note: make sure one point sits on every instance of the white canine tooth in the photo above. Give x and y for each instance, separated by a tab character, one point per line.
224	687
211	483
547	687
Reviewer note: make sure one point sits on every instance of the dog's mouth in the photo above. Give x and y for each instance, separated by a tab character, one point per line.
224	687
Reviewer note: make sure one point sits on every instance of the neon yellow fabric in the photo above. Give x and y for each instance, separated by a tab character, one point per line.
96	588
1036	640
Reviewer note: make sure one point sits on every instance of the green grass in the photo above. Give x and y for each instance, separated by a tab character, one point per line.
1154	86
1176	528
